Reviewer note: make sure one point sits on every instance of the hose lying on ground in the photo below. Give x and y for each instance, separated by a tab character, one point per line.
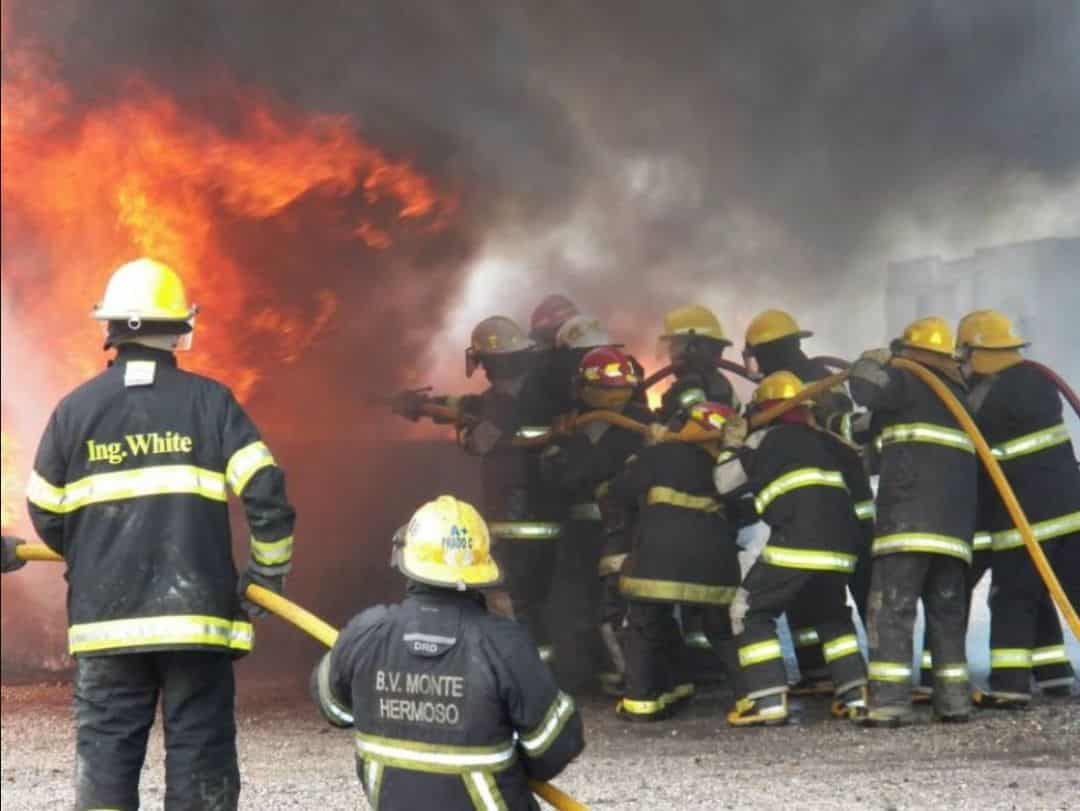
322	631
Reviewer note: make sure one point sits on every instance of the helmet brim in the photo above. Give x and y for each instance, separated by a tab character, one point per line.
477	577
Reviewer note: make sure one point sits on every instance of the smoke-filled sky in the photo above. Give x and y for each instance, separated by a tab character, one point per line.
639	155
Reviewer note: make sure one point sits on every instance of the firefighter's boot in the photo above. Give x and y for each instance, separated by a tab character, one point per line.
765	711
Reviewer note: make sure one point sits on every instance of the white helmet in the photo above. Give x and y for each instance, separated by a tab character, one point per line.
582	332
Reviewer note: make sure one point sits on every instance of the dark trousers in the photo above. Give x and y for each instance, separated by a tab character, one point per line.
980	565
897	583
1025	634
529	565
820	599
655	655
115	701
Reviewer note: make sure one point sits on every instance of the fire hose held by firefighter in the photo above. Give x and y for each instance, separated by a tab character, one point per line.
146	452
435	662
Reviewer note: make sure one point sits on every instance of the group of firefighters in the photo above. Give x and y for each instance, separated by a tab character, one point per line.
448	692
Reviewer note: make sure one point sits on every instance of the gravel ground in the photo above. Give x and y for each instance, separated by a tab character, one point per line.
289	759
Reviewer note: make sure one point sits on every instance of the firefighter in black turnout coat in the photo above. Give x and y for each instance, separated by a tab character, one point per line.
683	555
801	493
452	707
924	527
129	486
1018	411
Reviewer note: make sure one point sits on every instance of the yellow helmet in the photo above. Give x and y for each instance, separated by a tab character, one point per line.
447	543
988	329
144	290
777	386
931	334
693	320
772	325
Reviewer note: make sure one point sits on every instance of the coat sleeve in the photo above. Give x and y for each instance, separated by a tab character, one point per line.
45	489
635	479
259	483
331	680
549	729
877	387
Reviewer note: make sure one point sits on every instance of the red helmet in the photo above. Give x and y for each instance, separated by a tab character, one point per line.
712	416
608	368
549	315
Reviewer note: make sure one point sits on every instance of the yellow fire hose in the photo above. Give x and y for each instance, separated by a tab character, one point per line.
325	633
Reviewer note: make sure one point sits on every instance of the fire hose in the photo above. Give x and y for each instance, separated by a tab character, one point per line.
1059	381
322	631
726	365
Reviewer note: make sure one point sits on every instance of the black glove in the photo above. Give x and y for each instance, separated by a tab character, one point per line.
408	404
275	583
10	561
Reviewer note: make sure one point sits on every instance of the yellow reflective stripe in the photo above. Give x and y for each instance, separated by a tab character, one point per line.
981	542
531	431
927	661
483	791
1032	443
245	463
803	477
639	707
329	703
675	591
434	757
127	484
889	671
925	432
865	510
840	647
539	740
1043	531
758	652
846	430
139	632
44	495
691	397
922	542
611	564
589	511
675	498
952	673
542	530
272	553
1049	655
1006	658
805	637
373	782
810	559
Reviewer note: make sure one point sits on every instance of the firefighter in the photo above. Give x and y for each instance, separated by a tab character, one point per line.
561	335
925	521
799	491
452	708
694	341
683	554
773	344
550	314
130	486
1019	412
582	464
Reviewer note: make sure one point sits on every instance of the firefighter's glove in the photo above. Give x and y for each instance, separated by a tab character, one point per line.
275	583
408	404
11	561
657	433
735	431
879	356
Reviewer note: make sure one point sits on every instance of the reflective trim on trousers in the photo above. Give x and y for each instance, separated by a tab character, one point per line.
981	542
1049	655
805	637
146	632
532	431
846	645
865	510
589	511
1007	658
952	673
926	662
795	480
928	542
814	560
675	498
641	707
1043	531
1031	443
436	758
675	591
758	652
539	740
526	530
245	463
697	640
925	432
125	484
889	671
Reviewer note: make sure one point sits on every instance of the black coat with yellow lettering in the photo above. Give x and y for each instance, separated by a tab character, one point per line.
1019	412
926	500
684	547
452	707
130	486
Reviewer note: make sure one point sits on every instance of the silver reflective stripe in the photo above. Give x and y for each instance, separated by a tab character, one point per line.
865	510
1050	655
1032	443
532	431
759	652
1002	658
440	758
927	660
589	511
245	463
1043	531
889	671
539	740
484	792
373	779
126	484
146	632
840	647
326	696
982	541
925	432
272	553
804	477
922	542
952	673
525	530
804	637
438	640
810	559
